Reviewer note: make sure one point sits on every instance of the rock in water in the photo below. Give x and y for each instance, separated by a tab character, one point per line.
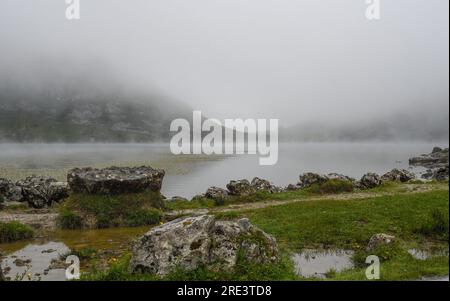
189	243
115	180
41	191
435	159
10	192
379	239
401	175
240	188
309	178
370	180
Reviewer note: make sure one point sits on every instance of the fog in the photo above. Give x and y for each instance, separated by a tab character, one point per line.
303	61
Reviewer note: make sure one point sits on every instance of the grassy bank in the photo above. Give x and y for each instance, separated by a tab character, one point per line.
14	231
104	211
417	219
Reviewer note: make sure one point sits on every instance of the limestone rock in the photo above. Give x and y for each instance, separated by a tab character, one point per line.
370	180
191	242
240	188
216	193
41	191
115	180
379	239
399	175
10	192
309	178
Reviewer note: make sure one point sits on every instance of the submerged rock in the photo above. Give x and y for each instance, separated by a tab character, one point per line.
435	159
115	180
379	239
370	180
438	174
189	243
41	191
401	175
10	192
240	188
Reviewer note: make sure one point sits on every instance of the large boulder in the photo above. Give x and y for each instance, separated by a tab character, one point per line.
370	180
399	175
41	191
10	192
263	185
341	177
309	178
240	188
191	242
115	180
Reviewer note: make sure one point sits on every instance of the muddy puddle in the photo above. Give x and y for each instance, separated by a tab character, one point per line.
40	259
317	263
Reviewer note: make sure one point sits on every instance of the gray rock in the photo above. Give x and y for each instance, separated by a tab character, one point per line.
370	180
41	191
10	192
263	185
216	193
293	187
438	174
240	188
435	159
337	176
399	175
115	180
379	239
309	178
189	243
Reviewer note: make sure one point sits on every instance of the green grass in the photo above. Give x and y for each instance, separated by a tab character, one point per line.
244	271
347	223
104	211
436	225
416	219
14	231
332	186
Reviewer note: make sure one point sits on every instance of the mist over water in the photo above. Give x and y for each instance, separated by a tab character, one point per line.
193	174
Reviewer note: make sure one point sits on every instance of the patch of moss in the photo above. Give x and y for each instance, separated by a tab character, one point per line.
105	211
14	231
332	186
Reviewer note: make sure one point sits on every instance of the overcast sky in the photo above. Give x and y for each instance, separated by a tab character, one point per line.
297	60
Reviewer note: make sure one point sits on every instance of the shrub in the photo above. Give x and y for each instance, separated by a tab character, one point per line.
67	219
147	216
14	231
332	186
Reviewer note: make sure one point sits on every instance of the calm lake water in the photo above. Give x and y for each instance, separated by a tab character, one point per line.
189	175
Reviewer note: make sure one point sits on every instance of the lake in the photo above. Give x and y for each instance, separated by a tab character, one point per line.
188	175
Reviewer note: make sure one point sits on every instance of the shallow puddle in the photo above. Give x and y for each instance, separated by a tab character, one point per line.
33	262
32	259
316	263
425	254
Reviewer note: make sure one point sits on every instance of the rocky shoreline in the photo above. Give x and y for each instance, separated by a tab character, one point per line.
41	192
200	239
